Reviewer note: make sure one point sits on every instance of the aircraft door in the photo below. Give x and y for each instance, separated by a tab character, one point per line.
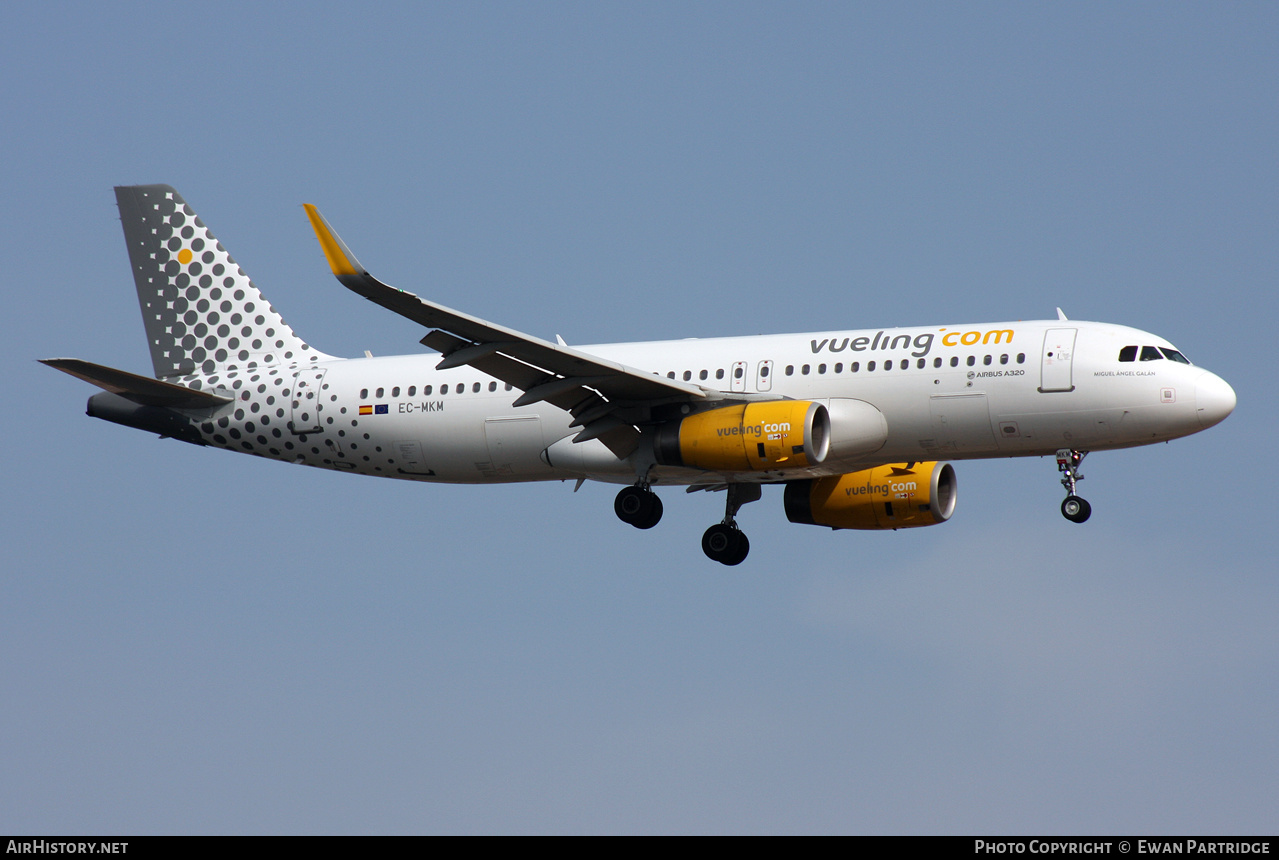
304	416
737	376
1058	358
764	376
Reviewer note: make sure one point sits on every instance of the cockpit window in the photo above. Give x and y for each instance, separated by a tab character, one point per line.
1173	355
1151	353
1128	353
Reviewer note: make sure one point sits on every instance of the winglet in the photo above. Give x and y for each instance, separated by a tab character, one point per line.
1061	316
340	258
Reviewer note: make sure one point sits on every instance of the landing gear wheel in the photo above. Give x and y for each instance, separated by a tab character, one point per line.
1076	509
725	544
638	506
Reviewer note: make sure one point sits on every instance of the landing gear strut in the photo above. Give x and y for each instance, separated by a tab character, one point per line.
725	542
1073	508
638	506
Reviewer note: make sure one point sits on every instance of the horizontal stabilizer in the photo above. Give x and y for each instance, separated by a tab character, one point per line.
140	389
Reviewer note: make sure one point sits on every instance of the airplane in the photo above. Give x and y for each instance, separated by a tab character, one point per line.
858	426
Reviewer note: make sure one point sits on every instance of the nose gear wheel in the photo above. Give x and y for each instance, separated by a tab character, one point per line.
1074	508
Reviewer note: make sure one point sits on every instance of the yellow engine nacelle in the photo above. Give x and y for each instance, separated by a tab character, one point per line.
748	437
886	497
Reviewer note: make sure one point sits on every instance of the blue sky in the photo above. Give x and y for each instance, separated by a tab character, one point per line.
199	642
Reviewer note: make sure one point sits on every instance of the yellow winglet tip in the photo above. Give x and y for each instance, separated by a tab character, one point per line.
334	251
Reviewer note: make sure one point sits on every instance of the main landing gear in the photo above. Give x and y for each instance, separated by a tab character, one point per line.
1073	508
638	506
725	542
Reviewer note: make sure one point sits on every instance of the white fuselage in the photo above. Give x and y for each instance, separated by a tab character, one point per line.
952	392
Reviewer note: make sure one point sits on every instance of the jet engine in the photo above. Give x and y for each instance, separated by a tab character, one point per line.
748	437
885	497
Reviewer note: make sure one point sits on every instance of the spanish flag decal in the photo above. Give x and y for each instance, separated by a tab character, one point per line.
366	410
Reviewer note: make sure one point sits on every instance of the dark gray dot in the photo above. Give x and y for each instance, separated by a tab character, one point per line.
210	342
197	245
188	232
212	318
228	282
220	355
171	268
226	307
223	330
194	268
220	439
233	433
205	281
234	343
174	243
218	270
215	294
198	354
207	257
202	306
182	281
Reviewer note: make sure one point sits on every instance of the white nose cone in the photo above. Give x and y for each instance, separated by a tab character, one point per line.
1214	399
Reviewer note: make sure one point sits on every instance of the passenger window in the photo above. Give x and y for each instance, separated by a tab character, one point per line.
670	375
1021	358
703	375
719	374
1128	353
1150	353
937	362
922	364
854	367
412	390
954	361
790	370
426	389
738	371
364	394
821	368
763	371
444	389
688	374
804	370
379	393
870	365
839	367
476	388
972	359
395	392
492	386
986	361
1003	359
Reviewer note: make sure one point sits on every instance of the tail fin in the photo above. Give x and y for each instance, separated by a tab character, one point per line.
202	313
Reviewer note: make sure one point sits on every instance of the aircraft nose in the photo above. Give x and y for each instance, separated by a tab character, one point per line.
1214	399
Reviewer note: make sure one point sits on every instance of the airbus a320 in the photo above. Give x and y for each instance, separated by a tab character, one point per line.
858	426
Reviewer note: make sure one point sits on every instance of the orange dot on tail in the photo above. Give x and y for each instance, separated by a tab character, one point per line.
184	256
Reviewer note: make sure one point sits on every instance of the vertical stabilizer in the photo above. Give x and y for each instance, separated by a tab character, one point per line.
202	313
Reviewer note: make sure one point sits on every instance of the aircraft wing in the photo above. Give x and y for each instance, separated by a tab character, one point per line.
603	396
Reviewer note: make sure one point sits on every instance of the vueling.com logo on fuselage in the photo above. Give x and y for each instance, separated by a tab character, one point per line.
756	430
919	344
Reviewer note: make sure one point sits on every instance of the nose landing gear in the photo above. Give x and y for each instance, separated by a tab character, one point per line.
638	506
1073	507
725	542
